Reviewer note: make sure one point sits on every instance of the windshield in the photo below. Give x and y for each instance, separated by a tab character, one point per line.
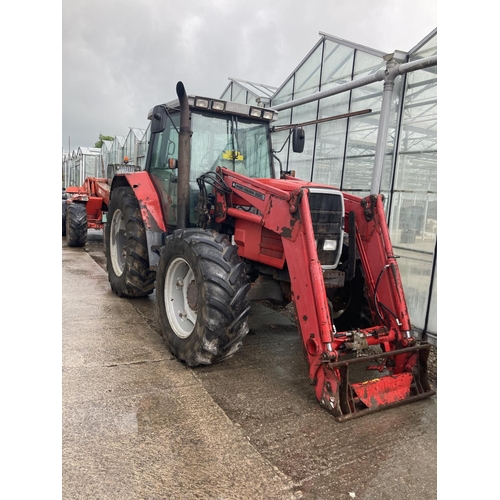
229	141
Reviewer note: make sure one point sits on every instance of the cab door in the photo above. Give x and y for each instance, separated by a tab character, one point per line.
161	163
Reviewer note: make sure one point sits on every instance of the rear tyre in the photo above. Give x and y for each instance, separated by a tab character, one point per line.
126	247
202	296
64	217
76	225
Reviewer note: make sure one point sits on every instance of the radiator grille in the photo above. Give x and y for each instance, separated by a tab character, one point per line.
327	216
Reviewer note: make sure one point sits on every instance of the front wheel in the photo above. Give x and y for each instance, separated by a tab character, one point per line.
127	255
76	224
201	296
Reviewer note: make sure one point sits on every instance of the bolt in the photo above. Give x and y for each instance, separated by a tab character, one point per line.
179	283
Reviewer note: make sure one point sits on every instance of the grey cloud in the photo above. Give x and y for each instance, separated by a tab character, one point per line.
119	58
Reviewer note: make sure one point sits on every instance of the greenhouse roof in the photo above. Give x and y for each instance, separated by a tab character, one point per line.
257	89
83	150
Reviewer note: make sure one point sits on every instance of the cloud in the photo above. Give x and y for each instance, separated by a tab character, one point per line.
120	58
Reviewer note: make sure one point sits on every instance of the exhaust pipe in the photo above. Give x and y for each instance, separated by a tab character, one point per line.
184	160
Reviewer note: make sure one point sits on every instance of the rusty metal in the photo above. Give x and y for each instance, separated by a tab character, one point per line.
387	391
322	120
372	357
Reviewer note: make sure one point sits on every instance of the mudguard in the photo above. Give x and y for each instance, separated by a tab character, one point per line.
150	205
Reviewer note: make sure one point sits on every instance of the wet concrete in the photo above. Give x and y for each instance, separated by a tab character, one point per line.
139	424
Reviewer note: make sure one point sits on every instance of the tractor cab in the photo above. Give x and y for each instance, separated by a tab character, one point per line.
221	134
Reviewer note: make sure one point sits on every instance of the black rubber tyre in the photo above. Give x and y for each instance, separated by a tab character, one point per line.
76	225
202	296
126	247
64	217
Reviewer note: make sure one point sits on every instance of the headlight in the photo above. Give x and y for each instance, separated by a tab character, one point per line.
330	245
255	112
218	105
201	103
268	115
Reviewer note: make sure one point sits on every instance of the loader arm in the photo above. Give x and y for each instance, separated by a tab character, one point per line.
273	226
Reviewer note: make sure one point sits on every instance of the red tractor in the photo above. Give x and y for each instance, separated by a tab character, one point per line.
85	207
209	219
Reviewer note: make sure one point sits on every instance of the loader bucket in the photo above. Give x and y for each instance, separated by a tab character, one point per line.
367	396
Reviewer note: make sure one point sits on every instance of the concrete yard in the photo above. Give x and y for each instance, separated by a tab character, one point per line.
138	424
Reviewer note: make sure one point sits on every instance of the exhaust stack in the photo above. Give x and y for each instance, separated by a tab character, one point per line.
184	165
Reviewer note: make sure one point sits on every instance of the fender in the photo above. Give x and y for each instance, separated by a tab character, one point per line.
149	203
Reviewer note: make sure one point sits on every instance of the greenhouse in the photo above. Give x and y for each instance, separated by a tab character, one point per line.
370	122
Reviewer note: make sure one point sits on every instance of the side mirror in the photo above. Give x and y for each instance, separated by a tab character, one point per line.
158	119
298	139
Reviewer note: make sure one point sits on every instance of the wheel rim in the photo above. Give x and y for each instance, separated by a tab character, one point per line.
181	298
117	242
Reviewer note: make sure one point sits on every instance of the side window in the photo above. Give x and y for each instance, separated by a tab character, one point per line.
165	147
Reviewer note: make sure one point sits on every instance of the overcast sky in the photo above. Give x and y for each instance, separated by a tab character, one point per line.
121	57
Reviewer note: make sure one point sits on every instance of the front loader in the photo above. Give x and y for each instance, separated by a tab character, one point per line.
211	225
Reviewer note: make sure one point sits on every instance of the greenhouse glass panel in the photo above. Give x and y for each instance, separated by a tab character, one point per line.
106	159
308	75
239	94
360	153
357	173
141	153
417	172
302	162
329	156
337	64
75	174
305	112
417	168
334	105
432	321
284	94
415	269
280	140
361	194
427	49
367	64
251	99
413	221
227	94
90	166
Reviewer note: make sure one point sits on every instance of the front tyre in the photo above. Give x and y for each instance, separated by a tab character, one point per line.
76	225
201	296
127	256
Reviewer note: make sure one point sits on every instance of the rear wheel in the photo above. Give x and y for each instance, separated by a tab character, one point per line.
201	296
64	217
126	247
76	225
